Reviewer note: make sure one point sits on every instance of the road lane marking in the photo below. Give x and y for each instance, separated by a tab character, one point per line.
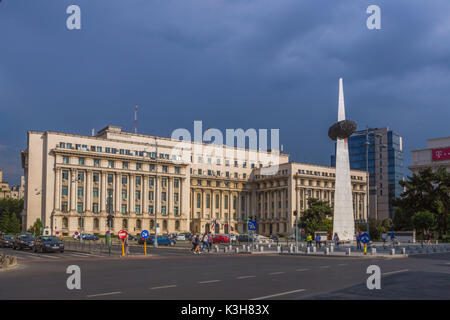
324	267
279	294
79	254
104	294
393	272
280	272
343	264
209	281
163	287
245	277
301	269
47	256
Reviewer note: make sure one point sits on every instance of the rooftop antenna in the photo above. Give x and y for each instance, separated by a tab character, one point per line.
135	118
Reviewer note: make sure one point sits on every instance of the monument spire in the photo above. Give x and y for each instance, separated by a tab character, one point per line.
343	219
341	107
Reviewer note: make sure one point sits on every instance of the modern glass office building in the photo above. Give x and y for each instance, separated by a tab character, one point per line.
385	166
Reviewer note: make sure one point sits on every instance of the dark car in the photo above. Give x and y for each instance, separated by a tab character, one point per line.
162	240
48	243
131	237
23	241
6	240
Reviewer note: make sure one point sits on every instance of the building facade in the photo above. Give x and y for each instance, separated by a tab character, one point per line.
437	154
74	182
385	167
14	192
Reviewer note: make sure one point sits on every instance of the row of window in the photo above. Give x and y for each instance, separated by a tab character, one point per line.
96	224
124	208
208	183
95	194
125	164
110	179
217	173
127	152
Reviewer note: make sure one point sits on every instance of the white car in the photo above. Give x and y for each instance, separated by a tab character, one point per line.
233	237
183	236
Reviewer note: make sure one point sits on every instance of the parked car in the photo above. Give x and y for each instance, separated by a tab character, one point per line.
48	243
131	237
184	236
233	237
220	238
23	241
86	236
274	237
6	240
142	240
163	240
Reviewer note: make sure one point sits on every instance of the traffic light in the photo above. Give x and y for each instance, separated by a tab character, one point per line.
295	212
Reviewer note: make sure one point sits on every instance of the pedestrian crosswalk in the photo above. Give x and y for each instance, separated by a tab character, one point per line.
30	255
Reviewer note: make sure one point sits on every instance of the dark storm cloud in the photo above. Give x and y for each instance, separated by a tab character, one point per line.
231	63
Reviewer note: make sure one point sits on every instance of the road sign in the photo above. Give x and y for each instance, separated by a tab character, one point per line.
365	238
144	234
252	225
76	233
122	234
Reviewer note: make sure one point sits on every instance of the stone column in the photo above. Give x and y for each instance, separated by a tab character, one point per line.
73	191
57	200
132	193
118	193
88	191
103	192
145	191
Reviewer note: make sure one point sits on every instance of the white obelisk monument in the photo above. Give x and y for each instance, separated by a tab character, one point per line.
343	221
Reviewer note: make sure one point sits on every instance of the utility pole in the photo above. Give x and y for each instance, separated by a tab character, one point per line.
368	177
229	215
156	197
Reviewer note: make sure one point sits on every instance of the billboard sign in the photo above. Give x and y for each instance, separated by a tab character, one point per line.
441	154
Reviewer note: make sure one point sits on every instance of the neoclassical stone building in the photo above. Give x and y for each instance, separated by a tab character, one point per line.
73	182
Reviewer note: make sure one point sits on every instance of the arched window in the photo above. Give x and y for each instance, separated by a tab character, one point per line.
96	224
164	224
138	224
177	225
80	222
152	224
124	223
65	223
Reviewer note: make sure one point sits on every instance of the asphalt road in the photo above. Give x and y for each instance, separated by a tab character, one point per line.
176	274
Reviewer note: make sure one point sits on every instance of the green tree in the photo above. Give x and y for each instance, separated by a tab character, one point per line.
37	228
423	221
9	223
425	191
317	217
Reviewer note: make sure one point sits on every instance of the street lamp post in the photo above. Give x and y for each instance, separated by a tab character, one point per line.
109	222
229	216
368	177
156	197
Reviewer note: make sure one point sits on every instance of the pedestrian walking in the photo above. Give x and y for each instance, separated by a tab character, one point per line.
309	240
384	237
318	241
429	238
393	238
193	243
358	240
197	244
336	239
209	241
204	242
